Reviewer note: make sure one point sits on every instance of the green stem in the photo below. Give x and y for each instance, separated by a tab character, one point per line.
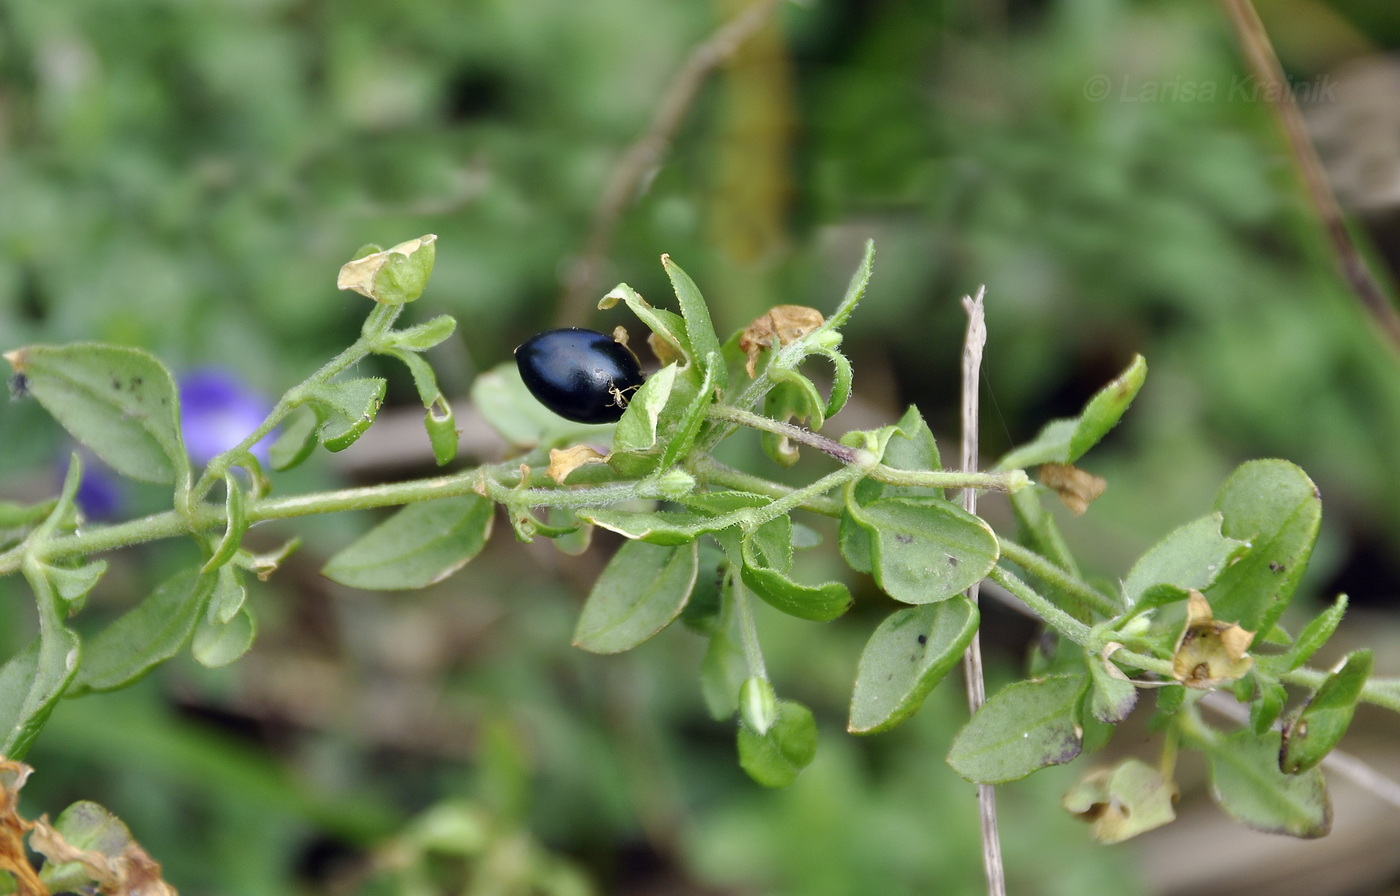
376	325
1042	568
1072	628
1052	615
748	629
715	473
1009	481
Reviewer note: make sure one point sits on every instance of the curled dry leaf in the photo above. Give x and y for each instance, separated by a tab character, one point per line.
563	461
780	325
1210	652
1123	801
13	828
358	275
127	871
1076	488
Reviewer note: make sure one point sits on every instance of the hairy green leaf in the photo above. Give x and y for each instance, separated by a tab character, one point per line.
424	336
418	546
700	332
1066	440
296	442
1314	730
1246	781
776	758
220	643
145	636
926	550
119	402
1024	727
1191	556
818	603
641	591
908	655
1275	507
346	409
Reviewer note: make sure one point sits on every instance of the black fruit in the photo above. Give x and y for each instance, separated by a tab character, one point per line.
581	375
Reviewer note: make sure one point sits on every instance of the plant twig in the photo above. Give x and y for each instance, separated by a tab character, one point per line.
972	660
1263	63
645	154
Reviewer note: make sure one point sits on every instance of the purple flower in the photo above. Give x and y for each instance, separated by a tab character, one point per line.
217	412
101	493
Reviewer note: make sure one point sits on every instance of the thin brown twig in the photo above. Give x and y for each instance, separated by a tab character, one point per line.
641	159
972	660
1264	64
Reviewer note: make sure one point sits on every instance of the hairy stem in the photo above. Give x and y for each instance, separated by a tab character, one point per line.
1043	568
1009	481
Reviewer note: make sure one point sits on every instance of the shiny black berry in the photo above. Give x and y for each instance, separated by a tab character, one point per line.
581	375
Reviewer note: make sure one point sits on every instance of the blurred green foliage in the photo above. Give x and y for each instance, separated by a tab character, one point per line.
188	177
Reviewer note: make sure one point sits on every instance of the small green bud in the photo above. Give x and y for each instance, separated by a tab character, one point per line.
674	485
758	705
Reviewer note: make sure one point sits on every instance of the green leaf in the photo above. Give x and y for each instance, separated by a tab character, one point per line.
1318	727
856	290
424	336
228	595
1266	707
424	380
220	643
1066	440
1111	698
1315	634
925	550
643	588
658	527
441	424
1275	507
346	409
145	636
908	655
710	512
34	679
1039	531
119	402
1246	782
418	546
700	332
296	442
776	758
237	524
1024	727
679	443
819	603
1123	801
74	584
664	404
722	672
1191	556
855	544
667	325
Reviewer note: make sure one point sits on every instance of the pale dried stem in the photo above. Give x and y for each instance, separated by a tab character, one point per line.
972	660
1263	63
643	157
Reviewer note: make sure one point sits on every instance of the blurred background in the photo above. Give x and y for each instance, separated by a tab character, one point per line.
188	177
